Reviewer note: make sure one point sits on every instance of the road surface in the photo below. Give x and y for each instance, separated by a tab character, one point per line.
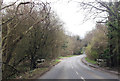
73	68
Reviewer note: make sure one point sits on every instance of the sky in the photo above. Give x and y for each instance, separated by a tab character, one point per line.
69	12
73	17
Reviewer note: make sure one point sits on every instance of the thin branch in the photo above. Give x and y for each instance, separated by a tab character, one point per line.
16	13
106	6
8	5
22	3
94	6
11	67
17	63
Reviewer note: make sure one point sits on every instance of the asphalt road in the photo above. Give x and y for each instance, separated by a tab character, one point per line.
73	68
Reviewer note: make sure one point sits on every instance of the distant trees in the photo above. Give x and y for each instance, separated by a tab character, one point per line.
72	45
77	45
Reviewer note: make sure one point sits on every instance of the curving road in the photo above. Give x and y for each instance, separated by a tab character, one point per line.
73	68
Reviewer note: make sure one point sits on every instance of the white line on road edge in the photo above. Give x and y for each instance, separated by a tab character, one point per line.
82	78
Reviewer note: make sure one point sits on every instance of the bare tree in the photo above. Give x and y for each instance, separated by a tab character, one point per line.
111	9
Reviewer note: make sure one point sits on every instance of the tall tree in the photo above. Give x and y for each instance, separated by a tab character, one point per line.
111	19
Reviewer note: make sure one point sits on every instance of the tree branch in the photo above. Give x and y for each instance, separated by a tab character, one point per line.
94	6
8	5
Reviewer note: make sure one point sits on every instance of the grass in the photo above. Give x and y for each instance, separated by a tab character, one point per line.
67	56
61	57
71	55
90	61
57	60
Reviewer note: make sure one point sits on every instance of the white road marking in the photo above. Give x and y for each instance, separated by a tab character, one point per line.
76	72
72	67
82	78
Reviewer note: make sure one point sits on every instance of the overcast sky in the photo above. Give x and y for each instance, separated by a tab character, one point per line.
71	15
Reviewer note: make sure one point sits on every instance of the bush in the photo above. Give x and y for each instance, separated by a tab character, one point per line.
98	43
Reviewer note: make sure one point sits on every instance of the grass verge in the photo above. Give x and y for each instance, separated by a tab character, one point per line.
90	61
32	74
36	73
67	56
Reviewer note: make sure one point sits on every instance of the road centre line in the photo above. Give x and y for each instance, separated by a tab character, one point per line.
76	72
72	67
82	78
